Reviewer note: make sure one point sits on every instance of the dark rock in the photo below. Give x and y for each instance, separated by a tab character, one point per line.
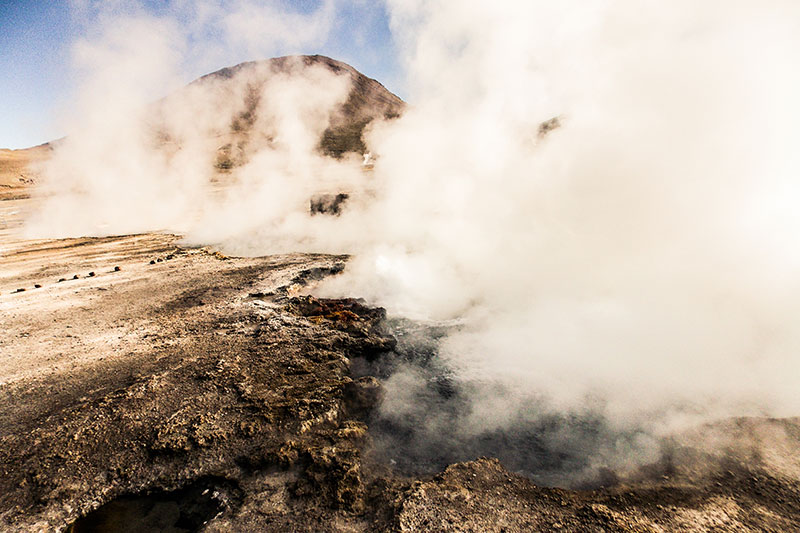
340	309
362	395
327	204
549	125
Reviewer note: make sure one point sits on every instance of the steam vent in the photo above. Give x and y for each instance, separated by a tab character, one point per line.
193	340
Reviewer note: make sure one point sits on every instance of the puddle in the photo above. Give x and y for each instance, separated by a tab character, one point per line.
181	511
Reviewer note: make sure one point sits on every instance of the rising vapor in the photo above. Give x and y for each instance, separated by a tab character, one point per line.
637	265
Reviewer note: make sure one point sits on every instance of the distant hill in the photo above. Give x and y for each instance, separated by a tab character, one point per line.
367	101
237	139
18	170
238	93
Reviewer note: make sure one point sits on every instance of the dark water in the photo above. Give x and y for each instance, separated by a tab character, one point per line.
180	511
431	430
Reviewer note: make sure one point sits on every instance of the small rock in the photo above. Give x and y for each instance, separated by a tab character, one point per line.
62	279
117	269
152	261
37	286
20	290
548	126
75	277
91	274
327	204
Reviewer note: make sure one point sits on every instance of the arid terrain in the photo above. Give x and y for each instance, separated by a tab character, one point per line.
18	170
203	382
147	385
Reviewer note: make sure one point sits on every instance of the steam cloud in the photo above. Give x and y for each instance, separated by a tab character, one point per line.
638	264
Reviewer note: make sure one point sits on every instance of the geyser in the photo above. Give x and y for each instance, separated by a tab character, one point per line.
629	274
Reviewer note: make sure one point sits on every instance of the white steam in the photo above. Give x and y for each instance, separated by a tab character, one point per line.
131	164
643	256
641	261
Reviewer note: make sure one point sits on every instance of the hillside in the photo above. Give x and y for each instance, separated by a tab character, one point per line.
242	110
18	170
241	132
368	99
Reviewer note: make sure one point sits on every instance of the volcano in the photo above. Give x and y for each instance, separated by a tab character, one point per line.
248	125
367	100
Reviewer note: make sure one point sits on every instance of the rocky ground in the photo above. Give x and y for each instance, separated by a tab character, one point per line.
147	386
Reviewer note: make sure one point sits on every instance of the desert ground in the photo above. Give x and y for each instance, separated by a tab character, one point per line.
18	170
147	385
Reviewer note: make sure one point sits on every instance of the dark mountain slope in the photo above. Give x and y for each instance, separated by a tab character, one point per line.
368	100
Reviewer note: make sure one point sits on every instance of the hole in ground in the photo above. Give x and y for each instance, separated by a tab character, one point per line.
180	511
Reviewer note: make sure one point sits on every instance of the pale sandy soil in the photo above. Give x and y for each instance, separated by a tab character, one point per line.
65	325
18	170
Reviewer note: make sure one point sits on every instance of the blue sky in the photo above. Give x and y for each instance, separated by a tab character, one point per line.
34	60
36	38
